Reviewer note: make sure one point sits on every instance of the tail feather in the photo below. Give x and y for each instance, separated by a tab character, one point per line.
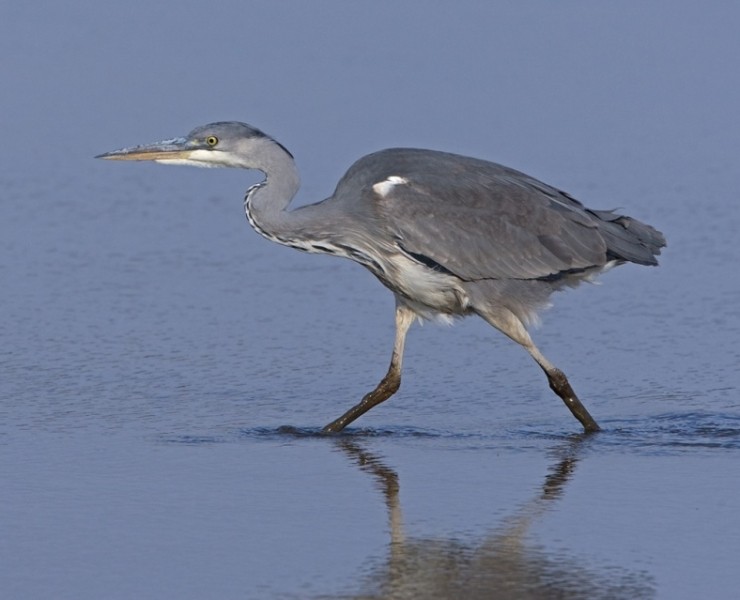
628	239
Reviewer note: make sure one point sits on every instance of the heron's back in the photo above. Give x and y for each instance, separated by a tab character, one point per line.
481	220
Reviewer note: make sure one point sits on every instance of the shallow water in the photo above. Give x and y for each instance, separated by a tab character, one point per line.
165	372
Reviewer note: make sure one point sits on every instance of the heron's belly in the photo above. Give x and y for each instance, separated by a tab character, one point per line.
425	290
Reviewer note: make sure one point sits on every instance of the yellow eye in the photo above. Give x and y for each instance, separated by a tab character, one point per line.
211	140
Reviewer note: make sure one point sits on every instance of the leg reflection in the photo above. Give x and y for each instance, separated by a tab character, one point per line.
507	564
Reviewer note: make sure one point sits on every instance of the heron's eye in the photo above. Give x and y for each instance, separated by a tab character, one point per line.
211	140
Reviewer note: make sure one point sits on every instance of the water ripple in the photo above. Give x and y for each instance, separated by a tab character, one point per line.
666	433
673	432
352	433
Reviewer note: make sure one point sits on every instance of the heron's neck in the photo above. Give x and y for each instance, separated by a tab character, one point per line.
266	203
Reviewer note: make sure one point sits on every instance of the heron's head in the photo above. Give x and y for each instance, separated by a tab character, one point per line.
223	144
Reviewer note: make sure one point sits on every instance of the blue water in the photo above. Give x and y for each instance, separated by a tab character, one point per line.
164	371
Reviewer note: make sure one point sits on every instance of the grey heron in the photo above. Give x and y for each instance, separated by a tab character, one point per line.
449	235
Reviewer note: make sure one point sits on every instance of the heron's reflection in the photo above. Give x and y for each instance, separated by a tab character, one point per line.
506	565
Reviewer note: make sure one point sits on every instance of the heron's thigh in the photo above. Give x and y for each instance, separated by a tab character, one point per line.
508	323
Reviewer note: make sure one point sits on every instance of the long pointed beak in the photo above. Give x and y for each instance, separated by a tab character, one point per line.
167	150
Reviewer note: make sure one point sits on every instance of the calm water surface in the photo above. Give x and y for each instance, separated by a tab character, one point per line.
164	371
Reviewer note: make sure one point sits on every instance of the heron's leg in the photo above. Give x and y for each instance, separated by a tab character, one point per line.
389	384
561	386
510	324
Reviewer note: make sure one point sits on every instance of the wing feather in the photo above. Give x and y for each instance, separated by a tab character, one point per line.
480	220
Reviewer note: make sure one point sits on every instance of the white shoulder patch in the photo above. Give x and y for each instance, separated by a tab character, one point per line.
383	188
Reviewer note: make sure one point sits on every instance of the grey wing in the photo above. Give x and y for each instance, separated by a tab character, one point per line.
491	225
